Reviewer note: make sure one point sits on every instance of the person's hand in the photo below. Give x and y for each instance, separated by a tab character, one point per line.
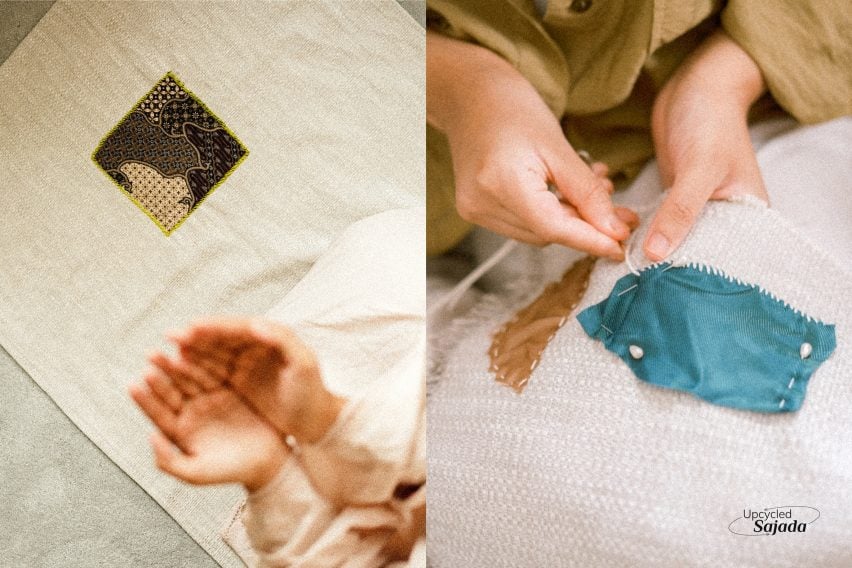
210	437
265	363
507	149
701	138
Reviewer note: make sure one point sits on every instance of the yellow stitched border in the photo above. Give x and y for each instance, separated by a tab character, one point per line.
206	195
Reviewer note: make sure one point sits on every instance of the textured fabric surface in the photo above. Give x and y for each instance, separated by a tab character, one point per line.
63	503
695	329
590	467
90	283
46	459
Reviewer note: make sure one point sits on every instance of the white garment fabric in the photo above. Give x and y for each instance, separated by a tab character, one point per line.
362	309
592	467
327	98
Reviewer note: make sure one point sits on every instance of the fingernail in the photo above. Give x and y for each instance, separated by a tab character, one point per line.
615	224
658	245
619	256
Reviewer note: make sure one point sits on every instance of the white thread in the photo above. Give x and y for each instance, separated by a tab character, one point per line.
781	404
452	297
627	251
606	328
792	380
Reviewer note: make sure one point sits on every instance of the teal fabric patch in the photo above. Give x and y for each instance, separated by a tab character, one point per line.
694	329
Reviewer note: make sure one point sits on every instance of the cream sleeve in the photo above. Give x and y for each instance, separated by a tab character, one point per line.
339	501
290	525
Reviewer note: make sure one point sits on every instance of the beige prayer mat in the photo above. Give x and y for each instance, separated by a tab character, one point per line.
328	99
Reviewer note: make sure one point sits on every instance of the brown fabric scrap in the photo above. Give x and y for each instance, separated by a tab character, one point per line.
517	346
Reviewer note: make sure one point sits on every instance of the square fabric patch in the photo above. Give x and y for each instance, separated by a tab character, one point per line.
168	153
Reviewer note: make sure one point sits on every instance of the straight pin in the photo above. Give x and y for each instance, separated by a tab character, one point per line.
629	289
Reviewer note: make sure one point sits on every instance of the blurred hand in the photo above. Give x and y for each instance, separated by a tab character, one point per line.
210	437
264	363
701	138
507	147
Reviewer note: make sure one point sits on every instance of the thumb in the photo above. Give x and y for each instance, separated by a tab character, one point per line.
675	218
589	194
170	460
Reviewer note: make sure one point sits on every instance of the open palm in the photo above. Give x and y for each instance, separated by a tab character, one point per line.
210	437
266	364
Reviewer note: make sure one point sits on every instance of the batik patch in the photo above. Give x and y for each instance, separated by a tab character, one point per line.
696	329
169	153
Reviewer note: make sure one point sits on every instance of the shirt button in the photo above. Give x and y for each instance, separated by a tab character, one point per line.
636	352
805	350
580	6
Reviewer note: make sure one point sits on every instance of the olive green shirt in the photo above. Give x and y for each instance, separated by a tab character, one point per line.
598	65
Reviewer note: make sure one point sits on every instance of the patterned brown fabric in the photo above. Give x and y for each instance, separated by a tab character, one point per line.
169	152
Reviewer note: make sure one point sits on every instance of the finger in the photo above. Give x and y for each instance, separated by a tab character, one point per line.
600	169
215	355
172	461
589	194
164	388
675	218
216	366
197	374
258	354
183	382
628	216
190	379
293	351
218	354
557	223
505	221
256	364
514	232
215	341
215	338
155	409
177	336
220	332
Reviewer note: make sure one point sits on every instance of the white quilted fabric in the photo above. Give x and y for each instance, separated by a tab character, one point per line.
592	467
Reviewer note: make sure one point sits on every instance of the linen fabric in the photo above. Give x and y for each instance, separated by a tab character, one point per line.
599	64
327	97
694	329
591	467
